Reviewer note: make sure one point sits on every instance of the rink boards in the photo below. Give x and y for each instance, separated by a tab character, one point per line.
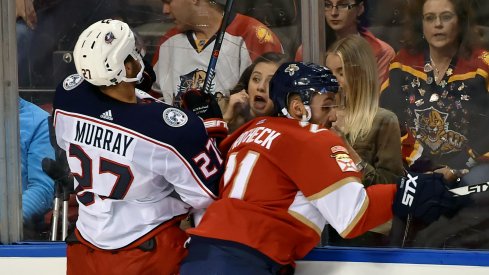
49	259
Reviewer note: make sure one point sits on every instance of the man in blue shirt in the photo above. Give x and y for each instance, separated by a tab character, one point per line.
35	145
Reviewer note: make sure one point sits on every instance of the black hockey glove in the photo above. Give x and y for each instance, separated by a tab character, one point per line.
205	106
424	197
202	104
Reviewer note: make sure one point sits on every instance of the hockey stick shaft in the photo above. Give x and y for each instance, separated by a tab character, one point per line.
211	69
470	189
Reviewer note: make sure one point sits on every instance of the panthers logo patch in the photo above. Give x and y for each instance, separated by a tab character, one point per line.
175	117
485	57
263	35
431	128
193	80
72	81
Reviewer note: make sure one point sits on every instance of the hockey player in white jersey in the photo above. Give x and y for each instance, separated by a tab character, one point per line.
140	167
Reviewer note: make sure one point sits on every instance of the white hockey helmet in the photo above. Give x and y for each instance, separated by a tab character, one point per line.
100	52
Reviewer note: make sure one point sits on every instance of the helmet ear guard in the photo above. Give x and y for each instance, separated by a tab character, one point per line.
303	79
101	50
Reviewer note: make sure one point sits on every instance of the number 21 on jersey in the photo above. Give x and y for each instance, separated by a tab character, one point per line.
241	171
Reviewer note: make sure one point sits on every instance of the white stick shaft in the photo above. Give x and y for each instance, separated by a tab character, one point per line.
470	189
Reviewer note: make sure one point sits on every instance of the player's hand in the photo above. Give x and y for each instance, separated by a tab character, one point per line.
205	106
424	197
202	104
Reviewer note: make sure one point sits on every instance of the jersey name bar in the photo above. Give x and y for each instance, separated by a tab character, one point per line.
260	135
102	138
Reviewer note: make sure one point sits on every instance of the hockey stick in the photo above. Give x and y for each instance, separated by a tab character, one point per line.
211	69
458	192
470	189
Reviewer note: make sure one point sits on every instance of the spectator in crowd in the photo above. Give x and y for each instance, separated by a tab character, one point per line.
186	49
134	181
26	23
293	178
372	132
438	87
345	17
59	22
250	97
37	186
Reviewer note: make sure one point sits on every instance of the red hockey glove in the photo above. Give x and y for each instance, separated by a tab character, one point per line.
216	128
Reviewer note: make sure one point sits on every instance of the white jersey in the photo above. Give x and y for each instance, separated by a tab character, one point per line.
135	165
181	64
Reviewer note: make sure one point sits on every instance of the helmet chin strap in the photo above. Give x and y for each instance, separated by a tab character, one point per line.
307	116
138	77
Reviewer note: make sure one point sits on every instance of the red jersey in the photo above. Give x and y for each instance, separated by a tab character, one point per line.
283	183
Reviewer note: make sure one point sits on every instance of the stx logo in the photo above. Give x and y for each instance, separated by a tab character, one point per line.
481	187
409	190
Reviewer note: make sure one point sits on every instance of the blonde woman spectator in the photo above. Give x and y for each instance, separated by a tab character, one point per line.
373	132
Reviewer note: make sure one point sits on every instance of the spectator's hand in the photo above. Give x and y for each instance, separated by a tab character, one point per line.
25	10
423	196
451	175
237	102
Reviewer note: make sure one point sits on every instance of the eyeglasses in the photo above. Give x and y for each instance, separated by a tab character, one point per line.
341	7
445	17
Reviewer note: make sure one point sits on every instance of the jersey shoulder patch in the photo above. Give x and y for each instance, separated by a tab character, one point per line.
175	117
72	81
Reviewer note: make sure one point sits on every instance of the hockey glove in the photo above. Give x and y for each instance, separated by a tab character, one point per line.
205	106
202	104
423	196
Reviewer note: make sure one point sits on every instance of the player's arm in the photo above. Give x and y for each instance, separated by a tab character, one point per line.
196	167
353	210
329	179
38	196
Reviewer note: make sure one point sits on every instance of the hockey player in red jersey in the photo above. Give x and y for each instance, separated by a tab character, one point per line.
135	179
285	179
